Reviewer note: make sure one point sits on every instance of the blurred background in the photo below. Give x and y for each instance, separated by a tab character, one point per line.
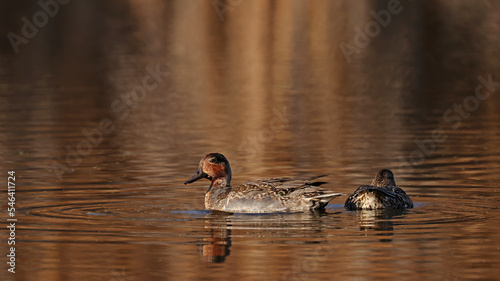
228	67
107	107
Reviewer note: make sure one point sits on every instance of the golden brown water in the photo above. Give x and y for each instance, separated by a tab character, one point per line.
107	110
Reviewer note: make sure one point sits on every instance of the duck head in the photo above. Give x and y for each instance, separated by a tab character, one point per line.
214	167
384	178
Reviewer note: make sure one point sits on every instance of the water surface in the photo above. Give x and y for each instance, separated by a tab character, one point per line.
109	108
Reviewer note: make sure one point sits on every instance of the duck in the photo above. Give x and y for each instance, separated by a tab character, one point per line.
280	194
382	193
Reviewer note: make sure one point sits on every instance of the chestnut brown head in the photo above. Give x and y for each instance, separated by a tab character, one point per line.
214	167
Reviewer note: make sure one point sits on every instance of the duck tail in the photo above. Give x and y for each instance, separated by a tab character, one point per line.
326	197
319	202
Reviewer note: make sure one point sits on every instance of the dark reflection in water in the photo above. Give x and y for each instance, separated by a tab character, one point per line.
219	242
377	219
220	227
378	222
107	105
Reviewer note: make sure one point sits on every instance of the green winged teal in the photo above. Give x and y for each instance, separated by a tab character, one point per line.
382	193
259	196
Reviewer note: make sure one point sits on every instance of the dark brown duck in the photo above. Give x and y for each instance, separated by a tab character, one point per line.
382	193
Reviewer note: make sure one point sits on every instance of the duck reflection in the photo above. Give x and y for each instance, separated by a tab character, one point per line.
219	240
378	222
216	247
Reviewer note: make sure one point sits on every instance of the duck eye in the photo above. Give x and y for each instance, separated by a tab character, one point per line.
212	160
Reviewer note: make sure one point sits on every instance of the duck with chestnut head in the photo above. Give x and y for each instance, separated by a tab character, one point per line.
258	196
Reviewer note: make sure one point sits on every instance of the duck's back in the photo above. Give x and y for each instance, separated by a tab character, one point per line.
270	195
378	197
